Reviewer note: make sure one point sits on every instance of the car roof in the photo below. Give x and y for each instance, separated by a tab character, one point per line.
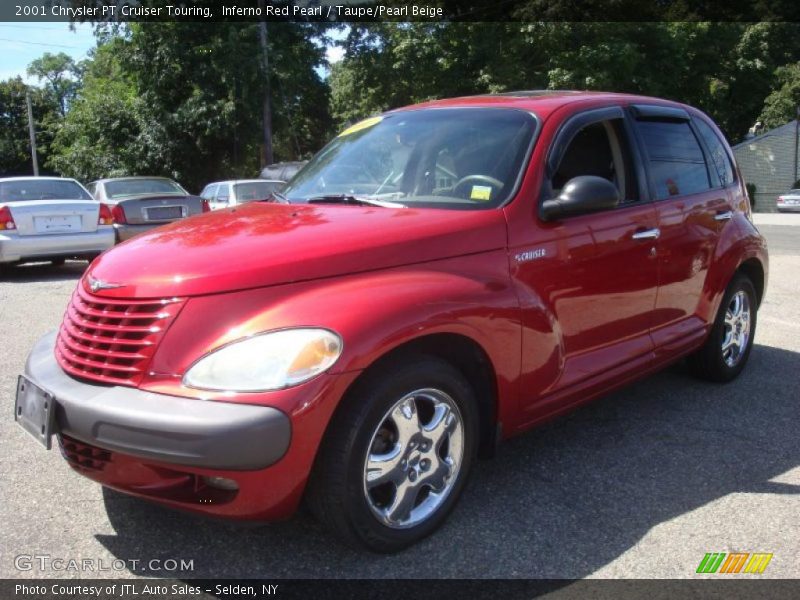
542	102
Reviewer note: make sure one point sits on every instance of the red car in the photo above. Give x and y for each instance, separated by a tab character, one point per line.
437	279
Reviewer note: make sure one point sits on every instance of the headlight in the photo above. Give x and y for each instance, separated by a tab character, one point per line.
268	361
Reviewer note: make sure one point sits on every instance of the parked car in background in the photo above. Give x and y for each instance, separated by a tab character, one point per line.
141	203
789	202
282	171
439	278
222	194
51	219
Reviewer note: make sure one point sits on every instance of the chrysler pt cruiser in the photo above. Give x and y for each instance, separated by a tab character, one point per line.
437	279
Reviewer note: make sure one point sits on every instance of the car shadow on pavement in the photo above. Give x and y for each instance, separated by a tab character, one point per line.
559	502
43	272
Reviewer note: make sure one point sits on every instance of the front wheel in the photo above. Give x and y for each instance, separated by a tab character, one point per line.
728	346
396	456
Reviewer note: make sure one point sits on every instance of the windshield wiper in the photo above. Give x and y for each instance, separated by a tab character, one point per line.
353	199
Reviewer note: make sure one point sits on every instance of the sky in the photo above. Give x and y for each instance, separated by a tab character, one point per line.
21	43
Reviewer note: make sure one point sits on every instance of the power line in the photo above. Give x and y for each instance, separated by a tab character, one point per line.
33	27
41	44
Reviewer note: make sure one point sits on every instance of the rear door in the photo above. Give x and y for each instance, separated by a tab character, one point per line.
693	207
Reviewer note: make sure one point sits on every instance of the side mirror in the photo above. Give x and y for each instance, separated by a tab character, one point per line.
581	195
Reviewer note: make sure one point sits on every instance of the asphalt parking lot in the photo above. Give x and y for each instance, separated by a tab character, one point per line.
640	484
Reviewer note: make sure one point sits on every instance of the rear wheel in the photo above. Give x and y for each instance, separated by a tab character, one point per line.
728	346
396	456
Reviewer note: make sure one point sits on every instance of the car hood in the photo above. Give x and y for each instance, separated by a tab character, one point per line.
263	244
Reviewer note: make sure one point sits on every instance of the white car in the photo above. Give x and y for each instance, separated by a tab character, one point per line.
789	202
51	219
222	194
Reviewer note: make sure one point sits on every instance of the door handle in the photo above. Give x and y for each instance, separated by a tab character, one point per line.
723	216
647	234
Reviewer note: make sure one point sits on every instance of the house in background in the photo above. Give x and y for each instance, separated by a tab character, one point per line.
769	161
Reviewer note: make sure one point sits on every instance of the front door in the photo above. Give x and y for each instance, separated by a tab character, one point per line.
595	273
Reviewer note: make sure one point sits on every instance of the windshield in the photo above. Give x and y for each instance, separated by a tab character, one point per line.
41	189
135	187
255	190
459	158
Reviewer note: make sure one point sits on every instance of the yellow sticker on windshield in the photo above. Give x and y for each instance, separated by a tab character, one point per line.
480	192
361	125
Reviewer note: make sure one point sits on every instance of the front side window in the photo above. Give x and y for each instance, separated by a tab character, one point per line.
719	156
141	187
676	162
600	149
41	189
453	158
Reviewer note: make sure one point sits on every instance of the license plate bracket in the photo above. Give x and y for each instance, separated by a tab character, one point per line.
58	224
34	411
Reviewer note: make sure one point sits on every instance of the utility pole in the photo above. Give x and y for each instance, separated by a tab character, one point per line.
267	108
32	133
796	140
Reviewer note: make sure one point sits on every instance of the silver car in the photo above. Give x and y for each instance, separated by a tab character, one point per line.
789	202
222	194
50	218
141	203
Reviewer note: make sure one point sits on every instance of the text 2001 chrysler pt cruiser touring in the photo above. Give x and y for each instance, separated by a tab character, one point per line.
436	279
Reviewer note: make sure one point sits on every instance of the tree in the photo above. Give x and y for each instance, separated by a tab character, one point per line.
182	100
724	68
782	104
98	137
61	75
15	154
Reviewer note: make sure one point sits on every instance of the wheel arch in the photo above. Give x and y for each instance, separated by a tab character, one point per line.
469	358
754	271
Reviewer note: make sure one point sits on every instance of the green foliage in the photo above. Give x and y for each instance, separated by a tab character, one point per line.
61	75
184	100
15	153
725	68
781	105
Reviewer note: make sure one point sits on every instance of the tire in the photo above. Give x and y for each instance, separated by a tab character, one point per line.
418	421
715	363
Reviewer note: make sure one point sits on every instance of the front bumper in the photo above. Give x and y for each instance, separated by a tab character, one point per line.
784	207
15	247
158	427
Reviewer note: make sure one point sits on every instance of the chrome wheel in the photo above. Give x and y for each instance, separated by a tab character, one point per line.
414	458
737	329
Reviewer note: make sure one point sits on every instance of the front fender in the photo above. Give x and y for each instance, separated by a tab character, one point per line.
373	312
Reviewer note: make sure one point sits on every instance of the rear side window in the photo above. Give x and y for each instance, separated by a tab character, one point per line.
719	157
209	191
677	165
